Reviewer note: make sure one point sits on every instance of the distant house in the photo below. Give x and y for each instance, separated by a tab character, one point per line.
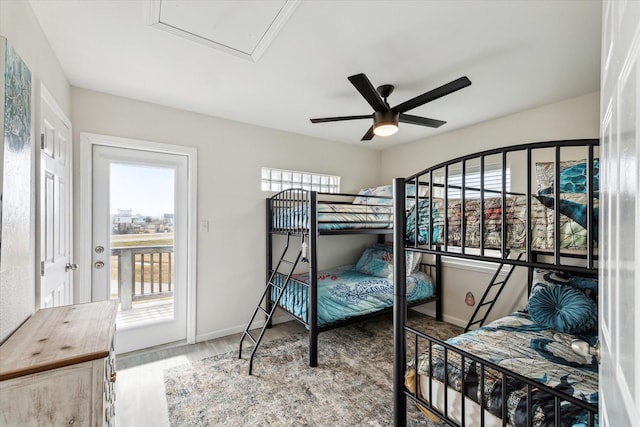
167	220
122	221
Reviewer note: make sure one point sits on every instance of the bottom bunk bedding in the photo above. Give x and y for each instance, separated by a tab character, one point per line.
345	292
520	345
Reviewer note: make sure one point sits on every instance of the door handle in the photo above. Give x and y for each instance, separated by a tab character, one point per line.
99	264
70	266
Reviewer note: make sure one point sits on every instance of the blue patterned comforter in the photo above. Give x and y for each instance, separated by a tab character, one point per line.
518	344
344	293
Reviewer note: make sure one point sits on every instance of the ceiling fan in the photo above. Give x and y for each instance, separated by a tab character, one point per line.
385	118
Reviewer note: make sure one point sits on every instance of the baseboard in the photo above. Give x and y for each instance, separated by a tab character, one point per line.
449	319
239	329
286	318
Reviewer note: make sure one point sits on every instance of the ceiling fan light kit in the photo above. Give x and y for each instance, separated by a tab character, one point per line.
385	118
385	122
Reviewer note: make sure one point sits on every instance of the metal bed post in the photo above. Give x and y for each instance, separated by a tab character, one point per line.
269	252
481	206
312	301
438	288
528	209
556	207
463	213
399	304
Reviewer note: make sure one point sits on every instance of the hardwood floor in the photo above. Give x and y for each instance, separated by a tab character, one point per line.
140	393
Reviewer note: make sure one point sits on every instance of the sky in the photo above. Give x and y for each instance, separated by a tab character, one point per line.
146	190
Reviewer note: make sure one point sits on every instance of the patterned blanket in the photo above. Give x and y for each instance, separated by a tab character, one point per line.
344	292
518	344
573	234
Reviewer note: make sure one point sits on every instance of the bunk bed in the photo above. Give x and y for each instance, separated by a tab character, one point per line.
534	367
327	299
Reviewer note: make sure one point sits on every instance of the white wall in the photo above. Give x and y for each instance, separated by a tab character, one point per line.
230	263
20	27
570	119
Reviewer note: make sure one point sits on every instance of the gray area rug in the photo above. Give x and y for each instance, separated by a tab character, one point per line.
352	386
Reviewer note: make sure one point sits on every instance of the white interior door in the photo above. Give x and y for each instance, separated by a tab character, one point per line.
620	296
139	243
55	204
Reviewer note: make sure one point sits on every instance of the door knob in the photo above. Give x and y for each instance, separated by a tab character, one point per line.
70	266
99	264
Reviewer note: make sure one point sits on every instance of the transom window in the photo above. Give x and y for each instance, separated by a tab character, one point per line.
279	179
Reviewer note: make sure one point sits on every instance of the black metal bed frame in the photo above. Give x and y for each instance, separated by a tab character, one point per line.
532	259
307	226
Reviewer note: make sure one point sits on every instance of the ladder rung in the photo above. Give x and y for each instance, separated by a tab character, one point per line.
263	310
487	303
275	285
496	283
477	321
286	261
251	337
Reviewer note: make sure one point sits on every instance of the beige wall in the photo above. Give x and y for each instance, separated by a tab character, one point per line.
570	119
230	263
20	27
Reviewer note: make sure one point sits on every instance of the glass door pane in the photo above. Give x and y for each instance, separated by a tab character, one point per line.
142	243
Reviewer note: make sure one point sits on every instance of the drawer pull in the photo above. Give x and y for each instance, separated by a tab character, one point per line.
72	421
112	378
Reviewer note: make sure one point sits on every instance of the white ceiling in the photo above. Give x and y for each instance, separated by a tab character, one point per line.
519	54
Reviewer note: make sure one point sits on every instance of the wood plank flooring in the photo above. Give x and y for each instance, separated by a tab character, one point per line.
140	393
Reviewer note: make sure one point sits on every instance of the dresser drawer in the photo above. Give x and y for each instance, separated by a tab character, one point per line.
57	397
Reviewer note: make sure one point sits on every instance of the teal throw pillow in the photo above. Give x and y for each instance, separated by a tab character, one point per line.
563	308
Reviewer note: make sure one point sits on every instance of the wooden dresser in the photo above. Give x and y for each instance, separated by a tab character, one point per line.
58	368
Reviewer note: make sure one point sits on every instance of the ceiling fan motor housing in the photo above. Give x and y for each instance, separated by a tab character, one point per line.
387	117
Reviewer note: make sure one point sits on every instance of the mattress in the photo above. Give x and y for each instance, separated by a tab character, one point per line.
518	344
344	292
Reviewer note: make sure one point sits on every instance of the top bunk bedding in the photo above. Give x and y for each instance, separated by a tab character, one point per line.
333	216
296	210
461	205
573	222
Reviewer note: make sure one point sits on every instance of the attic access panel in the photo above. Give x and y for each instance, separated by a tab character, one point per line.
242	28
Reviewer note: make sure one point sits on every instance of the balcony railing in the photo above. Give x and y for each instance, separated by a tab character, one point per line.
144	273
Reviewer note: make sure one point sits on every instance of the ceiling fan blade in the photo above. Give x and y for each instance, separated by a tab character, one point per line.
369	135
366	89
439	92
338	119
422	121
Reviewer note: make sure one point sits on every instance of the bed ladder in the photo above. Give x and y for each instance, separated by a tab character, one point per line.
271	283
479	320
